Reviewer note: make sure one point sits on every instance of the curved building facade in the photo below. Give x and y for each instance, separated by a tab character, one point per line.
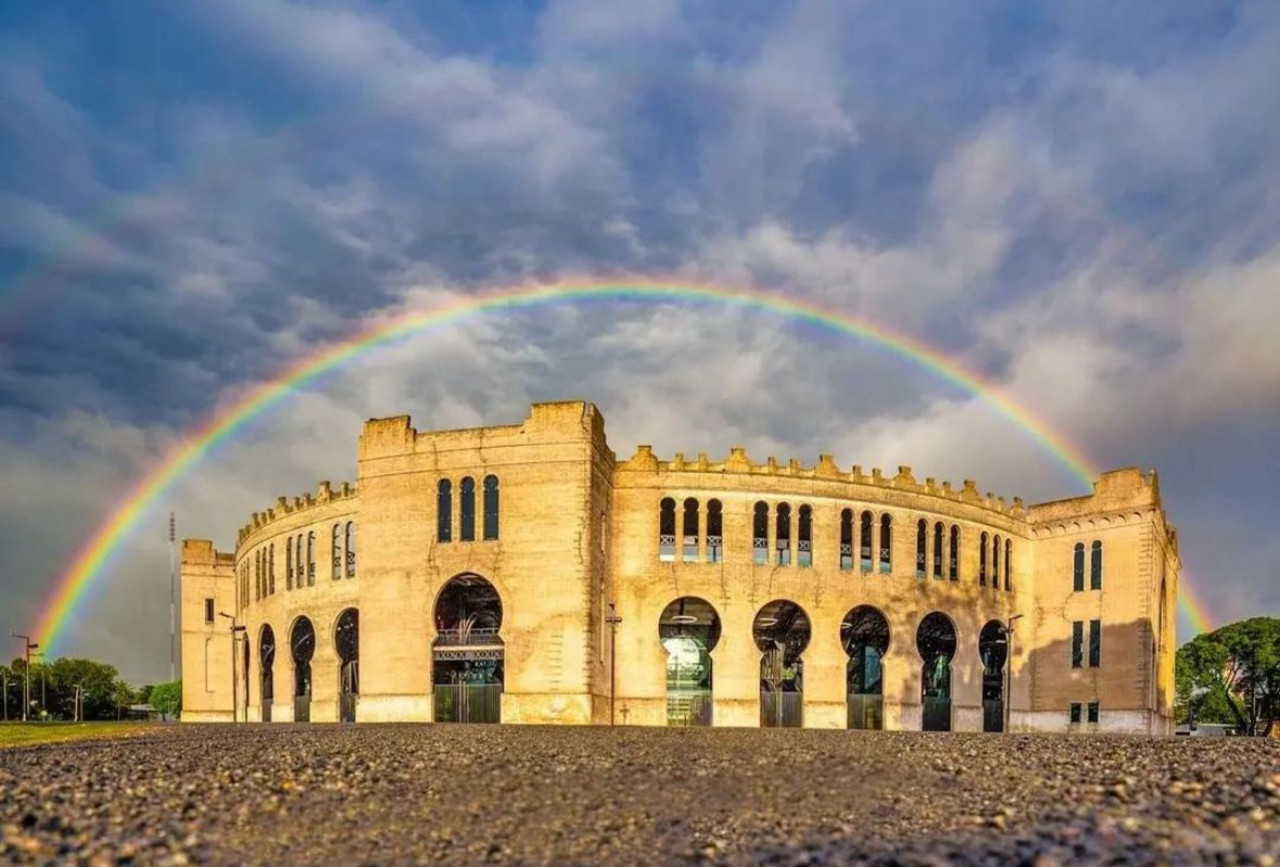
524	574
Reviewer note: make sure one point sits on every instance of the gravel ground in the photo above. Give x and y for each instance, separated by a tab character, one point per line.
510	794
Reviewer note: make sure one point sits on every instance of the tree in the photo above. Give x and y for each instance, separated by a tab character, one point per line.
166	698
1233	675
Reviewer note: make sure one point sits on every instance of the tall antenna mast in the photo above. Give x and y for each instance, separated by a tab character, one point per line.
173	675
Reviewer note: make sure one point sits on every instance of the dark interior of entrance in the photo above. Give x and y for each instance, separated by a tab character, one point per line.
993	648
266	667
781	631
467	654
347	640
302	641
689	629
865	635
936	642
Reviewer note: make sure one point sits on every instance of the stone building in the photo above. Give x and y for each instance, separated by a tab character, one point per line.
523	574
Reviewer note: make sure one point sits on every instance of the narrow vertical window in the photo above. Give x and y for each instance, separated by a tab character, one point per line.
864	542
1095	643
1093	712
783	539
922	537
271	569
490	507
444	511
288	564
667	530
311	558
760	534
938	530
335	551
804	538
1077	568
1095	566
715	531
1077	643
1075	712
467	510
297	559
846	539
689	531
351	549
995	562
257	575
1008	564
982	559
886	543
954	553
208	610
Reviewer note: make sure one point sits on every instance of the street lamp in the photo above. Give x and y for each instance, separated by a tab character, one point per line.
26	690
235	690
1008	662
613	620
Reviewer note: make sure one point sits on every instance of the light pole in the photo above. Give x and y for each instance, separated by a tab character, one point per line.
236	629
613	620
1008	663
26	690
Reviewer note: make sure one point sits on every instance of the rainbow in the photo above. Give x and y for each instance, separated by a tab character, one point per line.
91	564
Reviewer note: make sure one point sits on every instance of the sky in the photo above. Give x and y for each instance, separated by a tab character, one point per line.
1076	201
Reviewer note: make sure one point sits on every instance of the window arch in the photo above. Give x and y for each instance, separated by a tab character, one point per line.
351	549
667	530
864	540
1077	568
715	531
1008	564
982	558
1095	566
311	558
954	565
490	507
995	562
922	536
444	510
886	543
467	509
938	530
846	539
335	551
689	531
782	540
760	534
804	538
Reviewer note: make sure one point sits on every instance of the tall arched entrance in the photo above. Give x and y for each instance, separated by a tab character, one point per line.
993	650
467	654
689	629
346	639
781	631
864	632
266	671
936	641
302	644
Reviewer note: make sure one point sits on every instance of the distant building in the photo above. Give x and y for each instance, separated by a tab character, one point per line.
494	566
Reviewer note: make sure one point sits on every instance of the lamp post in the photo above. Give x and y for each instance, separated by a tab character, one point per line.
236	629
613	620
1008	663
26	690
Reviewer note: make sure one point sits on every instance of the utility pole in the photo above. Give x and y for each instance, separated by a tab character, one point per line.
4	676
613	620
26	690
173	675
236	629
1008	666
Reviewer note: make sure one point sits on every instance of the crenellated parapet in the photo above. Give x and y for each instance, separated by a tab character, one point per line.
738	463
324	494
1120	497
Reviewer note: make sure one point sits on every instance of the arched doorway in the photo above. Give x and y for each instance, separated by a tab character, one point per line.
936	641
993	650
302	643
467	655
243	638
864	632
781	631
689	629
266	673
346	638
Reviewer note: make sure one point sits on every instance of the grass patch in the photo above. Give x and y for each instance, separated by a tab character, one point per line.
17	734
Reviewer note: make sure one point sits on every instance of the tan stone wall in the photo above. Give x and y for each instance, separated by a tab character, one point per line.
206	645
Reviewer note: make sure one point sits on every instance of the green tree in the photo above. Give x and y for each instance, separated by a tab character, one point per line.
166	698
1232	675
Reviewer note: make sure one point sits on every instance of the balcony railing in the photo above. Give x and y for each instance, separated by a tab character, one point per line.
468	637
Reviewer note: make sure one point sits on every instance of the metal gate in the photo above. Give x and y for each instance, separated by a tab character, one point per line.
781	709
468	702
302	708
348	692
993	716
866	711
689	707
937	714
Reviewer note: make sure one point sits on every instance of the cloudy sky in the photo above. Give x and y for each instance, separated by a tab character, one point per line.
1078	201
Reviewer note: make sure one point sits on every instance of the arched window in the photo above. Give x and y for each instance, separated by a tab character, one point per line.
1095	566
804	538
491	507
288	565
335	551
954	565
937	550
782	540
715	531
760	534
922	537
982	559
689	531
1008	564
351	549
271	570
886	543
467	509
257	575
995	562
444	511
846	539
864	541
667	530
297	559
311	558
1077	568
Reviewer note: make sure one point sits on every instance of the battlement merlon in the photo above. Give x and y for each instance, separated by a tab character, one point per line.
200	552
1119	490
325	493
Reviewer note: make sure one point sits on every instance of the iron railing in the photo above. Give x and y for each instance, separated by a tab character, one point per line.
688	707
468	702
866	711
937	714
781	709
993	716
468	637
302	708
347	707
